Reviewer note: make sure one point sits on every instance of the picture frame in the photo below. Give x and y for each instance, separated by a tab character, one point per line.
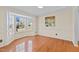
20	23
50	21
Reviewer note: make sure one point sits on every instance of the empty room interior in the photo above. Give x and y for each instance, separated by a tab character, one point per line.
39	29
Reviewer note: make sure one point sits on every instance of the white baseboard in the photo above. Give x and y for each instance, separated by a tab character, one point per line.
75	44
54	37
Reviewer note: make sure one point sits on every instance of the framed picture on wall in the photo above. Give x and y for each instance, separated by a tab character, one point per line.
50	21
20	23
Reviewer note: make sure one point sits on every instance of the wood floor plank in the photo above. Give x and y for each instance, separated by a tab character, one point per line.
42	44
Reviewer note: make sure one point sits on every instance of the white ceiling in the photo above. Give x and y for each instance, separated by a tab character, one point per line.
33	10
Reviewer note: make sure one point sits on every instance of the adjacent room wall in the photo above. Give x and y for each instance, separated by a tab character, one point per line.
3	24
76	26
64	25
27	32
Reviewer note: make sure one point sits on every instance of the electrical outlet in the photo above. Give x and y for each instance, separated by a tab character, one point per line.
0	41
56	34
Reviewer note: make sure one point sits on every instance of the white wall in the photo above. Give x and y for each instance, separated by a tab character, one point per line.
1	21
1	25
76	26
64	25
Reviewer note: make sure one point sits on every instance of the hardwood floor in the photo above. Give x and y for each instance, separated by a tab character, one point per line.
42	44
